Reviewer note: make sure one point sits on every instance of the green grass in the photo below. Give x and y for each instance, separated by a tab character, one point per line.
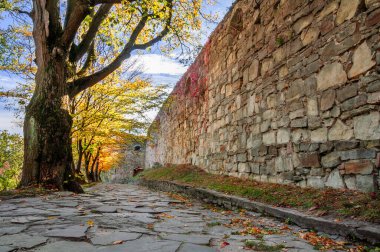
338	203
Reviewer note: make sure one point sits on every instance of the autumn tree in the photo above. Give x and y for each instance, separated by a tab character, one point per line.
107	117
67	38
10	159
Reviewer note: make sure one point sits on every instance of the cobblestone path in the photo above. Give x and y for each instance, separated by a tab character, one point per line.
130	218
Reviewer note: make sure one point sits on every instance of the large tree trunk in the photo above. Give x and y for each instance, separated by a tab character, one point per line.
47	125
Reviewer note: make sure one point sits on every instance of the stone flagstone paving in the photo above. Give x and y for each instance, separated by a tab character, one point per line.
132	218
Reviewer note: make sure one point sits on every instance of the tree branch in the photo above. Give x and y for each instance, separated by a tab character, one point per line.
77	15
96	2
69	9
83	47
81	84
162	34
89	60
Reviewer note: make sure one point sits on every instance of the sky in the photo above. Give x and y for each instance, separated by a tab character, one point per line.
160	69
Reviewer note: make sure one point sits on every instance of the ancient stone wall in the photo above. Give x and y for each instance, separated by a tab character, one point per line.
285	92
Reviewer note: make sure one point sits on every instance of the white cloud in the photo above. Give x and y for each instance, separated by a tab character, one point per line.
158	64
8	122
8	82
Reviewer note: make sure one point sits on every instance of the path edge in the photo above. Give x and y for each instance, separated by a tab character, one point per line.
353	229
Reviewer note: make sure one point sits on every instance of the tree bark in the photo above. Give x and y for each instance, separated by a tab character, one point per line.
47	143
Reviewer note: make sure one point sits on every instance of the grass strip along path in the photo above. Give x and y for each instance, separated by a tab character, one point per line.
338	203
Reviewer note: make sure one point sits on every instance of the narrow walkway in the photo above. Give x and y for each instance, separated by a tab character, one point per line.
132	218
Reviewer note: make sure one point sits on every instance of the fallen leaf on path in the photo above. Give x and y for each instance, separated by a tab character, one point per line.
165	215
224	244
117	242
90	223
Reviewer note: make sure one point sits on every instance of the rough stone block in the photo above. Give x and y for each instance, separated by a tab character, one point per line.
269	114
358	154
345	145
370	3
272	101
299	123
327	99
315	181
296	90
242	157
297	114
255	168
310	35
365	183
330	76
309	159
269	138
317	171
300	135
312	107
335	180
374	98
347	10
308	147
266	66
331	160
340	131
328	9
363	167
347	92
374	86
350	182
367	127
254	70
373	18
302	23
319	135
362	61
244	167
283	136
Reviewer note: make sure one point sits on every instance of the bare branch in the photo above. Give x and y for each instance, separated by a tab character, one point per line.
81	84
89	60
77	15
83	47
162	34
19	11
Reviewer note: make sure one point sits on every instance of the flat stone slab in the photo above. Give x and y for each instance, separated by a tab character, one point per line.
74	232
7	207
105	209
64	246
144	244
144	210
109	238
27	219
189	247
22	240
6	249
190	238
11	230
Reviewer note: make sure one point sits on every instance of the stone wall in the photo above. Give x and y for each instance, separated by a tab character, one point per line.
133	157
285	92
